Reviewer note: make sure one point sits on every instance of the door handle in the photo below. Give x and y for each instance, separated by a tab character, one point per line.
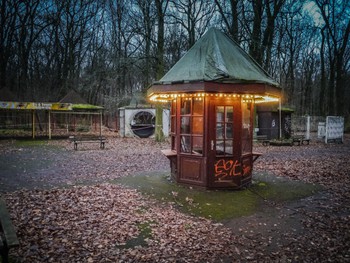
212	145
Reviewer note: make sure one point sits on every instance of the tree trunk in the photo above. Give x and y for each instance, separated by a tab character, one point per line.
161	8
254	47
323	76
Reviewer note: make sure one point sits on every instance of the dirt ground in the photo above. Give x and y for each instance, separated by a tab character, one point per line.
41	182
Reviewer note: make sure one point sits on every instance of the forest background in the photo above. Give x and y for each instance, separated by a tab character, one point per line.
110	50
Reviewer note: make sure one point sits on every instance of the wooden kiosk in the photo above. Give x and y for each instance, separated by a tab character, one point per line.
212	91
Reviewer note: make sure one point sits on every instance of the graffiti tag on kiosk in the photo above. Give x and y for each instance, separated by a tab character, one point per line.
230	168
227	168
246	169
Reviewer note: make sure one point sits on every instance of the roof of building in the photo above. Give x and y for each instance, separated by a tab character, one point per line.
216	57
73	97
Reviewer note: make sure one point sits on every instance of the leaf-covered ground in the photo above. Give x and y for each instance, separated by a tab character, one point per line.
315	228
66	209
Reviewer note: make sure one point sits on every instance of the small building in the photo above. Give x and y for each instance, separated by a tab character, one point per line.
269	117
71	114
140	121
212	90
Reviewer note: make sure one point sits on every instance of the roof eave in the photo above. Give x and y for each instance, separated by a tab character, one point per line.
214	86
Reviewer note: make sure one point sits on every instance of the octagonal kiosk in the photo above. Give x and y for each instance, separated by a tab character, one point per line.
212	90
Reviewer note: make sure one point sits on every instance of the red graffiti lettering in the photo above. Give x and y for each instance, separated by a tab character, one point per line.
246	169
227	168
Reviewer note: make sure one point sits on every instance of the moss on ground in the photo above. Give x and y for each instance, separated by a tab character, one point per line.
30	143
220	204
145	232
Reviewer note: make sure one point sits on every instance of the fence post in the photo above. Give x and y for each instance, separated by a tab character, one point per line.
33	124
49	124
280	117
308	127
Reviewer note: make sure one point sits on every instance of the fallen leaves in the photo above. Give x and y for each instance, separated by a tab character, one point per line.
110	223
89	223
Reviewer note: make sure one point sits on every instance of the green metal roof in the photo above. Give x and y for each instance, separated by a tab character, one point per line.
216	57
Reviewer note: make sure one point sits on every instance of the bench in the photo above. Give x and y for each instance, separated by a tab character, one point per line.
88	139
256	155
263	139
300	139
8	234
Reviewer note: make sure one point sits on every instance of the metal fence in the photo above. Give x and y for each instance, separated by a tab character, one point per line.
319	128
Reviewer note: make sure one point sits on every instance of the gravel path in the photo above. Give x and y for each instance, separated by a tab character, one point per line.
57	164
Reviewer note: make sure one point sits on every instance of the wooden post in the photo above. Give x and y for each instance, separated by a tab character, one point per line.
49	124
280	117
33	124
101	123
159	135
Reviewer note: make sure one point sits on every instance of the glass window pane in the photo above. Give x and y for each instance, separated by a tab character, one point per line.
173	124
185	144
173	107
186	106
246	128
220	110
220	147
197	144
229	114
197	125
185	125
219	131
198	106
224	130
229	131
173	143
228	147
246	146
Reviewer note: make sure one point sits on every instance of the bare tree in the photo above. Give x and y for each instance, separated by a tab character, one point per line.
229	15
336	16
193	15
108	49
255	49
144	16
8	15
161	6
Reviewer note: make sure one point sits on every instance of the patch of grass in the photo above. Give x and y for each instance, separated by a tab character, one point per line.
219	204
281	189
30	143
140	240
284	142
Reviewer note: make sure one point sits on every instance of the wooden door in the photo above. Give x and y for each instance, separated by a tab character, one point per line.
224	141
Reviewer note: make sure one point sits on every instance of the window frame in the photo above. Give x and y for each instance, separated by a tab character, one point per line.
187	136
224	122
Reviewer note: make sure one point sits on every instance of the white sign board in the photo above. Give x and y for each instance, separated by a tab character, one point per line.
334	128
321	130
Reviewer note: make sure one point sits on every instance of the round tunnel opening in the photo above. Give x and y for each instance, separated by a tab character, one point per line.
143	124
